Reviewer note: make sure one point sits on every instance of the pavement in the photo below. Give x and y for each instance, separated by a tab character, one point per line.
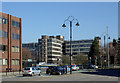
82	75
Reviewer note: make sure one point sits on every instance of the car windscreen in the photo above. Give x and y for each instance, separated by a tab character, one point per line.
26	68
73	66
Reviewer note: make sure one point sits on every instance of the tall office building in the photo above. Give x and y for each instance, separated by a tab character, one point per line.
50	48
10	42
79	46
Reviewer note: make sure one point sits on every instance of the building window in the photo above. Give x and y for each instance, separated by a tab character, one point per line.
3	47
0	20
3	34
15	24
4	21
15	49
0	61
4	61
15	61
0	33
15	36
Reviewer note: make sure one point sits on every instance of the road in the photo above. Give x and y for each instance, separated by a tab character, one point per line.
75	76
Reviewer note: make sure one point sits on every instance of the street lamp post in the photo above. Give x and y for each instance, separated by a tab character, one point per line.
108	37
70	19
38	53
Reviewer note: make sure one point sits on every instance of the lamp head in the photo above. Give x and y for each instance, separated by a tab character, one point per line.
77	24
63	25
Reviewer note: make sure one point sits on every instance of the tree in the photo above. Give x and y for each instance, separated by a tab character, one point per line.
26	54
95	52
80	59
114	50
66	59
114	42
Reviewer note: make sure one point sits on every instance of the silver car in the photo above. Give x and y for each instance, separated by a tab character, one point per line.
31	71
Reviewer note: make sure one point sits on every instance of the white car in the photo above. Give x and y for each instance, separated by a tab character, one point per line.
31	71
75	68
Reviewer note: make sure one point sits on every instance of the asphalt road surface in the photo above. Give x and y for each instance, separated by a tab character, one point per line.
75	76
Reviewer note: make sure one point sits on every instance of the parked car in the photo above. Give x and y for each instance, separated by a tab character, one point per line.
31	71
66	68
80	66
75	68
49	69
90	66
57	70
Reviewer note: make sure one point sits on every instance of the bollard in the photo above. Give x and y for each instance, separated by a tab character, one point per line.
19	71
13	72
66	70
6	72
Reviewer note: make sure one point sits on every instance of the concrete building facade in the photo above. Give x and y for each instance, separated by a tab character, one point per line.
50	48
11	42
79	46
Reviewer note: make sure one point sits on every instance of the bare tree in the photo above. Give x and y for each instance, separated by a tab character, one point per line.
80	59
26	54
65	59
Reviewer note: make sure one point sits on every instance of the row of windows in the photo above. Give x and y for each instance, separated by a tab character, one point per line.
54	49
77	42
74	53
3	47
15	36
54	53
86	45
4	34
15	49
3	20
54	40
52	57
84	49
3	61
54	45
15	61
15	24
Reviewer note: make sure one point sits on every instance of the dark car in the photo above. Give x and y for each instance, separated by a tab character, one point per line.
57	71
66	69
49	69
80	66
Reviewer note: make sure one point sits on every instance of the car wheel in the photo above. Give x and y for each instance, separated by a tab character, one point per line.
60	73
50	73
39	74
23	75
32	74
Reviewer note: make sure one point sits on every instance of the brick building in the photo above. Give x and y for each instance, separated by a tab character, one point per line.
10	42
